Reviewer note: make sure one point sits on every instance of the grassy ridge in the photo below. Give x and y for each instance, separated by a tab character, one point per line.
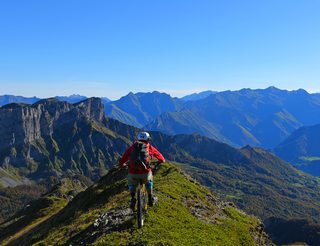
186	214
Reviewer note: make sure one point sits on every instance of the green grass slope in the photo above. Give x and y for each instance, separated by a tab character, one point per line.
262	185
186	214
37	211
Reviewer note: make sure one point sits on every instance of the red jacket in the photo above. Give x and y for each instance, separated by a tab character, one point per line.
153	152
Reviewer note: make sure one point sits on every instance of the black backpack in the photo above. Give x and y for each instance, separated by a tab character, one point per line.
140	155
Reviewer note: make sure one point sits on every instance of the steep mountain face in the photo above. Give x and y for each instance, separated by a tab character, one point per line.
9	178
185	214
140	108
301	148
255	117
7	99
51	137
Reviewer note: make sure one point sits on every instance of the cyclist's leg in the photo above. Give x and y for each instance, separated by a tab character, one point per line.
132	185
147	179
149	186
149	183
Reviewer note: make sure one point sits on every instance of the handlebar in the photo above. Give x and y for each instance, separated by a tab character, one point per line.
155	165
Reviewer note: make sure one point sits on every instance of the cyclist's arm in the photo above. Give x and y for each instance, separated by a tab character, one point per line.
156	154
125	157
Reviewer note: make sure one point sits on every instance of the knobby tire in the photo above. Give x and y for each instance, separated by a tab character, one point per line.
140	216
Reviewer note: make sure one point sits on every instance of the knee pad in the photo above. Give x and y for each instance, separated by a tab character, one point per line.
149	184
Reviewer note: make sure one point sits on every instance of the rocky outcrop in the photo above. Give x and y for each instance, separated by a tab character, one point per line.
22	123
49	134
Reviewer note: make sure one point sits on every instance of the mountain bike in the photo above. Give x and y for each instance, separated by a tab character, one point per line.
142	195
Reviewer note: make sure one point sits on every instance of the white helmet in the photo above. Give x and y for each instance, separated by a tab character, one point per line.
145	136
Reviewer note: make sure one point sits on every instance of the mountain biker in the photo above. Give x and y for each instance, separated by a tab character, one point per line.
138	155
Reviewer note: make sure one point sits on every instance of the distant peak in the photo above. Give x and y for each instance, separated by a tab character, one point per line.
272	88
248	151
248	148
301	91
129	95
76	95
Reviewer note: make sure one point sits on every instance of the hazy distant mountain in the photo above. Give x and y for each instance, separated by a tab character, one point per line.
141	108
302	148
256	117
105	100
198	96
71	99
77	98
6	99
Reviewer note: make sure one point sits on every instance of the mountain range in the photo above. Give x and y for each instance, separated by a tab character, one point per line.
261	118
52	139
256	117
7	99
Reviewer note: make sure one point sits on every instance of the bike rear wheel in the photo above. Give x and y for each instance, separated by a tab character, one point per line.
140	205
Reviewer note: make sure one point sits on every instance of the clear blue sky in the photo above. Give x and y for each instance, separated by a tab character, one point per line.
110	47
